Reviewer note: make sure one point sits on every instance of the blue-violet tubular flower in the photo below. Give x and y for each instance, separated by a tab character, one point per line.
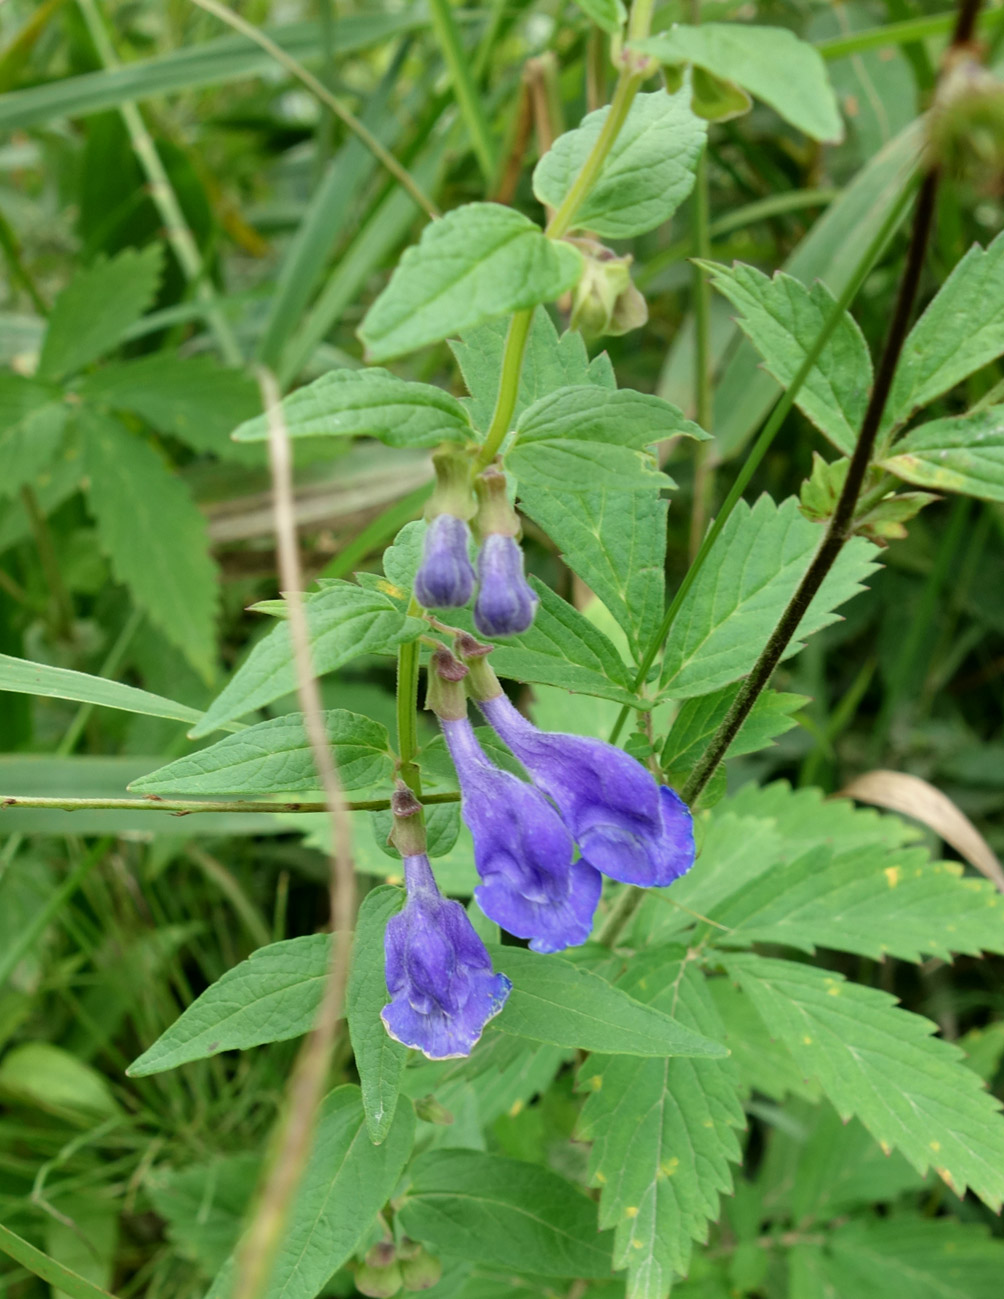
529	883
439	974
445	579
506	602
626	824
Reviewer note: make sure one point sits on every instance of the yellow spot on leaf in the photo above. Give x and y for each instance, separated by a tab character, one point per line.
807	1040
601	1179
631	1211
935	1146
886	1148
596	1082
636	1244
388	588
669	1166
893	874
515	1108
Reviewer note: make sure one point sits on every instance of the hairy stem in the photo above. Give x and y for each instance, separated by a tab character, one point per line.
186	806
704	454
408	657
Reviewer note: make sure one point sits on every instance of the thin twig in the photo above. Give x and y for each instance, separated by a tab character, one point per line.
256	1254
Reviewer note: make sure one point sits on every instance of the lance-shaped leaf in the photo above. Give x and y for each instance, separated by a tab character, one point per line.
32	419
275	757
647	174
479	261
343	620
965	454
27	678
770	62
662	1132
783	318
873	1060
372	403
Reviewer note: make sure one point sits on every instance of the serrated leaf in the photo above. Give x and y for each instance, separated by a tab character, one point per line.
204	1204
270	997
32	420
881	1064
647	174
608	14
770	62
744	587
870	901
783	318
763	1062
346	1182
478	261
153	534
662	1134
616	543
961	331
343	620
505	1213
577	436
549	362
965	454
379	1060
275	757
699	719
566	1005
370	403
191	398
96	308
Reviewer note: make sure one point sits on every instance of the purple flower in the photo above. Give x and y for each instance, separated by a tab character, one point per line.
445	579
627	825
529	883
439	974
506	603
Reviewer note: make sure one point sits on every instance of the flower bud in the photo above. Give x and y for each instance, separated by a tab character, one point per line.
606	300
445	579
506	602
422	1271
378	1282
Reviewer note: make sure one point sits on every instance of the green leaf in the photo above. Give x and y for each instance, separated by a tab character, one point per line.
372	403
880	1063
505	1213
770	62
961	331
870	901
647	174
26	678
615	542
662	1134
763	1063
275	757
154	535
566	1005
478	261
744	587
965	454
379	1060
96	308
549	362
783	318
344	621
32	421
193	399
699	718
204	1204
49	1078
82	1234
270	997
608	14
346	1183
574	437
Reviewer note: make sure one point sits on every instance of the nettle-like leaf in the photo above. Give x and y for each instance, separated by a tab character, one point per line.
371	403
505	1213
647	174
662	1132
770	62
699	719
965	454
343	620
616	542
961	331
764	1064
870	901
783	318
880	1063
478	261
574	437
203	1204
549	362
96	308
379	1060
275	757
32	422
744	587
153	533
346	1182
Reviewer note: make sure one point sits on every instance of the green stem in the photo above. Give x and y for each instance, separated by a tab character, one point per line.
408	657
464	88
704	461
185	806
763	442
505	404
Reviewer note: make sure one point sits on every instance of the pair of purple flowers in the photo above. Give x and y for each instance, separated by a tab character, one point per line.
584	792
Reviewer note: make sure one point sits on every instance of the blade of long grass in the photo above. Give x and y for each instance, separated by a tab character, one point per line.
41	1265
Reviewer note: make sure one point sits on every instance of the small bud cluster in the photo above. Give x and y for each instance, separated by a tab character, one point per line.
389	1267
446	578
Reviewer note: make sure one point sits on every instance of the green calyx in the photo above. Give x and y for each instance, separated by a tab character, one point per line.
445	693
495	514
481	681
452	493
408	829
